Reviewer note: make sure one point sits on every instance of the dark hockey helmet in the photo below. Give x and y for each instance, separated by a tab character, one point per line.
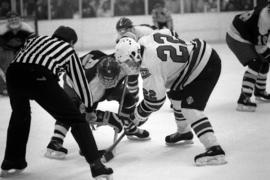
108	71
66	34
123	23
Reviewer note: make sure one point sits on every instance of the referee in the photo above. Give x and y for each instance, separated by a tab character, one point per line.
34	75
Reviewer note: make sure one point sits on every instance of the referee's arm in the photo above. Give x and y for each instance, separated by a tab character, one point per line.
80	85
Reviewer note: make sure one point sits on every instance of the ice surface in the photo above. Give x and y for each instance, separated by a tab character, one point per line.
244	136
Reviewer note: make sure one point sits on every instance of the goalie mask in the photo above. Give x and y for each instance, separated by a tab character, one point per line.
108	71
128	54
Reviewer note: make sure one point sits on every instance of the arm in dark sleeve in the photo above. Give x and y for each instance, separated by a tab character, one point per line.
133	85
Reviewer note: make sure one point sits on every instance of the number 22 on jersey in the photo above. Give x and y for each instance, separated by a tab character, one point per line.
175	48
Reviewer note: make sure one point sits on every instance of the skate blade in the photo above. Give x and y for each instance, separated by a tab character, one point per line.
243	108
104	177
51	154
135	138
259	99
211	160
9	173
180	143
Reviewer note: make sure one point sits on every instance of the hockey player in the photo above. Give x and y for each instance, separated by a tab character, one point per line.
161	17
107	82
247	38
125	28
166	62
12	37
39	64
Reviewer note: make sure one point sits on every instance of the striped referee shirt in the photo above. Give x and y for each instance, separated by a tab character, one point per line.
57	56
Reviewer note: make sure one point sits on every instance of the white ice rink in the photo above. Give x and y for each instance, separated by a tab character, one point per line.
244	136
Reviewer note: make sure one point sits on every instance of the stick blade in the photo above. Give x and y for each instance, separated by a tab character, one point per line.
107	156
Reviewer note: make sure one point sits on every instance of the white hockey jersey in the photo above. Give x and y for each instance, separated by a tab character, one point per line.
170	63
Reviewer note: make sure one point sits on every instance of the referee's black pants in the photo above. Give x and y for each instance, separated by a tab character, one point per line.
31	82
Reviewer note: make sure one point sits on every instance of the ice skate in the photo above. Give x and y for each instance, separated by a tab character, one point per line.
100	171
10	168
137	134
11	172
55	150
181	139
213	156
262	96
245	104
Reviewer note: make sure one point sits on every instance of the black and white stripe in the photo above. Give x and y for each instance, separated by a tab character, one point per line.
196	63
56	56
202	126
146	107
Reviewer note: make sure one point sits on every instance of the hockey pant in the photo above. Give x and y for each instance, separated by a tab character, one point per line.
189	103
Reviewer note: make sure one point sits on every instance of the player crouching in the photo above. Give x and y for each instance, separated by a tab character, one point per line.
198	67
107	82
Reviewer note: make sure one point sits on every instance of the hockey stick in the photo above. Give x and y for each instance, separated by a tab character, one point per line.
109	152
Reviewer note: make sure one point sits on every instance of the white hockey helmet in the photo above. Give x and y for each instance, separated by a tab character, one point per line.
128	54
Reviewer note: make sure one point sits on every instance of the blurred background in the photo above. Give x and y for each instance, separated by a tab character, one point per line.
68	9
97	18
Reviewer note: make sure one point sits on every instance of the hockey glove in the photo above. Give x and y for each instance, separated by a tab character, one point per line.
91	117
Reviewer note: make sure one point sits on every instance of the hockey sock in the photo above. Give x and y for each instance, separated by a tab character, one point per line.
205	132
60	131
249	81
181	122
261	82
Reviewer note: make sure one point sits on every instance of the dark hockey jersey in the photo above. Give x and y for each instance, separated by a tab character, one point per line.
90	62
253	25
14	40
